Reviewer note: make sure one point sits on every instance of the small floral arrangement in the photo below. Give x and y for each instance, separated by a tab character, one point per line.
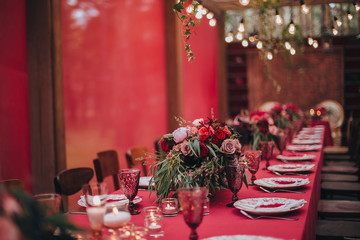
280	116
264	128
195	154
293	111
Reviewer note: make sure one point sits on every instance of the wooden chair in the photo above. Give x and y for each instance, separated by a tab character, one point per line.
70	181
351	189
11	184
328	230
338	209
135	156
107	164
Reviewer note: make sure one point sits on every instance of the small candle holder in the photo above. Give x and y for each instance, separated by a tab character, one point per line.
206	207
154	225
169	207
152	210
116	215
139	233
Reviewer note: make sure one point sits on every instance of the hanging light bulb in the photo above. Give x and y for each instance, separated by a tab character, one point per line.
278	18
252	39
245	43
349	15
199	15
356	6
259	45
241	27
190	8
269	56
204	11
292	28
310	40
292	51
337	21
244	2
229	37
212	22
334	30
287	45
239	36
315	44
210	15
304	8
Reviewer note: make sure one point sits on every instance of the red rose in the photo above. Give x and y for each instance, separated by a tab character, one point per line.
204	137
264	128
220	134
227	132
215	141
203	150
164	145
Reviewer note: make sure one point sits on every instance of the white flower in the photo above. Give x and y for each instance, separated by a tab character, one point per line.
197	122
180	134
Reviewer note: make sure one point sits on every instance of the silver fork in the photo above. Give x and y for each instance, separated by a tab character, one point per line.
266	216
279	190
289	173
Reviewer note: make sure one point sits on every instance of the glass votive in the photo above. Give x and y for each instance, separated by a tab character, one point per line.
151	211
125	232
154	225
139	233
169	207
116	215
51	201
206	207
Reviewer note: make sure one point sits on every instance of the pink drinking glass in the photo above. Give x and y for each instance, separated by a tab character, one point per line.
253	157
267	151
234	175
282	141
192	200
129	179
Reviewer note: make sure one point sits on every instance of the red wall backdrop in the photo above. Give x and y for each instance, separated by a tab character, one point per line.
200	76
14	104
114	77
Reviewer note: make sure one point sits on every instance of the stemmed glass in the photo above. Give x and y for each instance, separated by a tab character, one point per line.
253	157
192	201
95	198
129	179
234	175
282	141
267	150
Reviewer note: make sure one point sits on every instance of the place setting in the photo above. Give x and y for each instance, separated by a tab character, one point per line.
303	148
295	156
281	184
291	169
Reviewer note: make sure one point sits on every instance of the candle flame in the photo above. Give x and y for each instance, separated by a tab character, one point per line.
115	210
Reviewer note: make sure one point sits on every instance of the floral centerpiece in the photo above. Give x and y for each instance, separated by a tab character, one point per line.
264	128
280	116
293	111
195	154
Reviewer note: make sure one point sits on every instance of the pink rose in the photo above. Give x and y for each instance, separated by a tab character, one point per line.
273	130
185	149
194	130
180	134
197	122
228	146
237	145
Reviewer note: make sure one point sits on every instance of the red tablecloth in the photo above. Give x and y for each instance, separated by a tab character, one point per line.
229	221
328	141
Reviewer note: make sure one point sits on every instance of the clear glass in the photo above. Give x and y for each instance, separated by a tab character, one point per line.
129	179
169	207
152	210
51	201
154	225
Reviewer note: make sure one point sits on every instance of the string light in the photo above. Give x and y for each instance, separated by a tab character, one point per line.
334	30
204	11
239	36
199	15
310	40
241	27
252	39
356	6
292	51
229	37
292	27
278	18
244	43
210	15
337	21
349	15
315	44
212	22
269	56
287	45
259	45
304	8
190	8
244	2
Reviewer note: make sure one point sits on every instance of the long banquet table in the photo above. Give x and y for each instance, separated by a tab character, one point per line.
223	220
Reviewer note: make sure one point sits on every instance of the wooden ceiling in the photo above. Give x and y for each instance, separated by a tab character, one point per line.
223	5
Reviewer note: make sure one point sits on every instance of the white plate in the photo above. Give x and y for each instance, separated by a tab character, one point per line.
118	198
241	237
144	181
269	205
295	157
291	167
282	182
303	148
306	141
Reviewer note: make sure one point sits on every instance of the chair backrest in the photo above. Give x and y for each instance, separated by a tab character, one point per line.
107	164
137	155
70	181
11	184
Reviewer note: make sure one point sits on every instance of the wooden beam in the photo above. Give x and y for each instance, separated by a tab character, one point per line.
173	48
45	91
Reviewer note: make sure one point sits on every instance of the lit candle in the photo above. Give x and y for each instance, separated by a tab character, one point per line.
116	219
169	206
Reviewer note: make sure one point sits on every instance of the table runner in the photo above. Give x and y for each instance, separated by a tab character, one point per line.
223	220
